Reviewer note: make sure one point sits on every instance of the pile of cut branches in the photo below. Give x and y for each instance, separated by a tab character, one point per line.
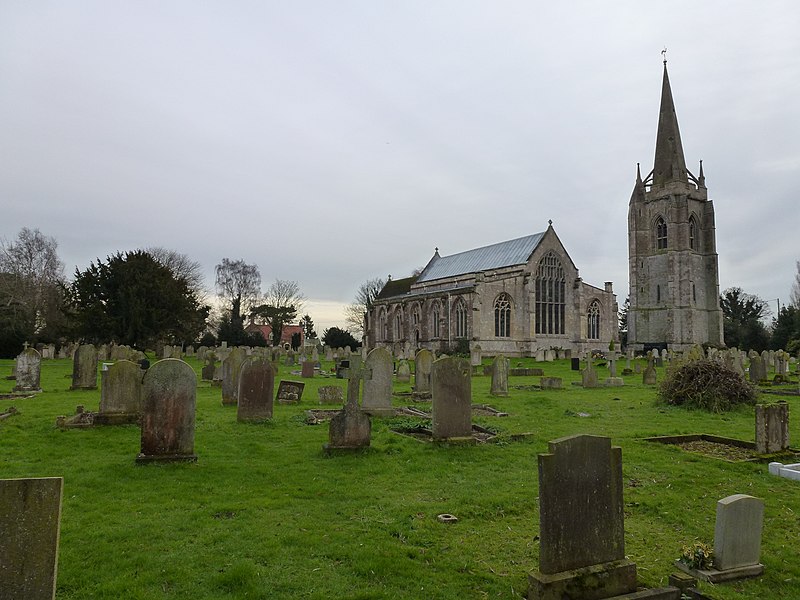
706	384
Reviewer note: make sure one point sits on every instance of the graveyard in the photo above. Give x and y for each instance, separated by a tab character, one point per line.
266	512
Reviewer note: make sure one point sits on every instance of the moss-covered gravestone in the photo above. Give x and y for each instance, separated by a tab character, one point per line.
231	369
499	377
452	399
256	388
168	407
581	522
28	371
30	518
84	368
120	394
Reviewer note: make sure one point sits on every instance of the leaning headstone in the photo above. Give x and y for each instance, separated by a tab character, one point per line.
84	368
772	427
331	394
168	407
120	394
403	372
290	392
423	365
377	395
581	522
452	399
231	369
256	386
500	367
30	521
28	371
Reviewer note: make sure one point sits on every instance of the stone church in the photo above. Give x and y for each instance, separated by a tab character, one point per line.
513	298
672	248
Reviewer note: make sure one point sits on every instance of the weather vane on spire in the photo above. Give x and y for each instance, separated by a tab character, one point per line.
664	54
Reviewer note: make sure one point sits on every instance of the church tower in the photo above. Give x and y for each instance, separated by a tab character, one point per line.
672	248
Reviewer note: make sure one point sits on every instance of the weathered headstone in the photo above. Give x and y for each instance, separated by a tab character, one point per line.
772	427
351	428
168	409
589	377
500	367
120	394
403	372
256	386
581	522
758	370
551	383
84	368
452	399
649	375
209	366
423	365
30	521
377	395
331	394
475	356
231	369
307	369
28	371
290	392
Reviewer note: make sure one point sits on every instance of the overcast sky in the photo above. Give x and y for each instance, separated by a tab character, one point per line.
330	142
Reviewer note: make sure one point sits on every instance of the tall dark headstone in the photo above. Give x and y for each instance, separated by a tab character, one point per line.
231	369
84	368
30	520
452	399
168	410
256	387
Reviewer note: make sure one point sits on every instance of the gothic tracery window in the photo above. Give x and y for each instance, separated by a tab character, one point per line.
461	320
593	321
502	316
661	234
692	234
435	332
550	290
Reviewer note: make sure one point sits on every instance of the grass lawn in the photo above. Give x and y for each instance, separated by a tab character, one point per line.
265	514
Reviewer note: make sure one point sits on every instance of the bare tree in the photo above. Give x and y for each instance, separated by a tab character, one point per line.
182	267
239	285
366	294
281	304
794	297
32	275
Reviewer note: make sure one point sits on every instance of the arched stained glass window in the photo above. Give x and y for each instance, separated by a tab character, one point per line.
461	319
593	321
550	290
502	316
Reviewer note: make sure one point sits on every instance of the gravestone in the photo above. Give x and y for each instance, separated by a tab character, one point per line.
28	371
550	383
475	356
575	364
120	394
328	353
168	407
549	355
290	392
231	369
351	429
256	386
331	394
499	376
452	399
758	370
84	368
403	372
589	377
581	522
209	366
30	521
307	369
772	427
423	365
737	533
649	374
613	380
539	355
377	395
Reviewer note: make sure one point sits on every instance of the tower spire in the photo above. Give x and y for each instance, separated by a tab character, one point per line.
670	164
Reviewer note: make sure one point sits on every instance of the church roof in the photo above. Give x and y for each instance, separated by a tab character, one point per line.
496	256
396	287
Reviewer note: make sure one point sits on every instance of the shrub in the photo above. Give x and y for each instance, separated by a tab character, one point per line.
697	556
706	384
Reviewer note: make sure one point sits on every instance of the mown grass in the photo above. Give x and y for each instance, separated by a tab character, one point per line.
265	514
